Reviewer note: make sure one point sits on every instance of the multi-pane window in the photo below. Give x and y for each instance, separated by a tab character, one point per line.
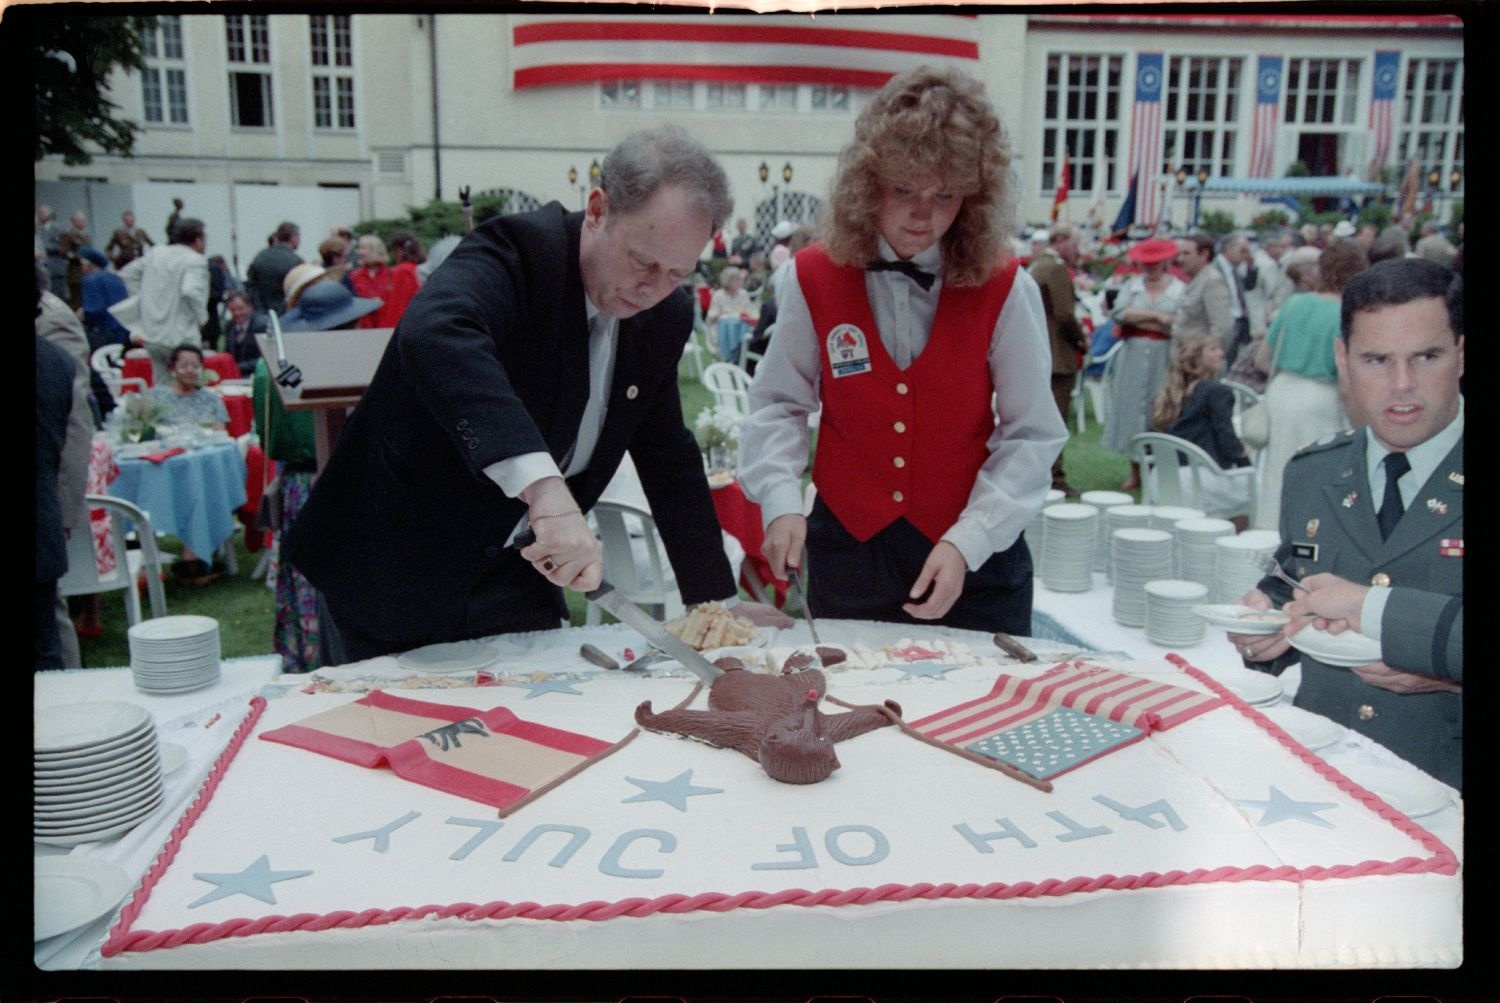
673	94
164	77
247	45
721	96
1432	121
1081	115
620	94
778	97
833	98
332	53
1321	91
1201	120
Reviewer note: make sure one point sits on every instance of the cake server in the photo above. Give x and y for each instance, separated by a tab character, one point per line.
1014	648
793	577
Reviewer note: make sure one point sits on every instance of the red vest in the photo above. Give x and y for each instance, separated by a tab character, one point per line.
895	444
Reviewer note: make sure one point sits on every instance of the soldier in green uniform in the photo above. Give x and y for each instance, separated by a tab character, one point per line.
1372	523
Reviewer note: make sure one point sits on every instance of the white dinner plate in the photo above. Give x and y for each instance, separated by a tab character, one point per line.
1411	794
1242	619
73	891
70	727
172	757
89	819
1314	731
1250	686
74	763
456	656
173	628
1345	650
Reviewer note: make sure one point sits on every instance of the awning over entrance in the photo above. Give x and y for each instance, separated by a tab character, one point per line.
1299	187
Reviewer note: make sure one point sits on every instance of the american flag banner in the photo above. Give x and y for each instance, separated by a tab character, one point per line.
1145	137
1382	107
492	756
1064	718
858	50
1267	116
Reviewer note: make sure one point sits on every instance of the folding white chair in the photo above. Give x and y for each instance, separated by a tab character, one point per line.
1094	389
730	386
83	573
1161	455
635	562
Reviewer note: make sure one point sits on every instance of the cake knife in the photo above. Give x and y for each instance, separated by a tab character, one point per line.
796	582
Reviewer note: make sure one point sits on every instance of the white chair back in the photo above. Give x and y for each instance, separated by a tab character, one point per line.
1160	455
730	386
635	562
83	573
108	358
1094	391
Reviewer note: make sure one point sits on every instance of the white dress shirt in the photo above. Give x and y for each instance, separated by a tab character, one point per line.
1012	484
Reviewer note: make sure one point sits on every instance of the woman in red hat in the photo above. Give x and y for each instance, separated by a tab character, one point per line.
1143	314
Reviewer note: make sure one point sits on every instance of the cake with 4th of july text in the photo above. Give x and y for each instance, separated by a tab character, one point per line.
532	824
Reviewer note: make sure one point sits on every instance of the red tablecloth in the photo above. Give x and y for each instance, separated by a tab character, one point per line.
222	363
740	518
138	368
241	413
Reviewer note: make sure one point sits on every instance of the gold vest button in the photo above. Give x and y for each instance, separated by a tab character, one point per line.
1365	712
897	496
1381	579
900	426
901	388
899	461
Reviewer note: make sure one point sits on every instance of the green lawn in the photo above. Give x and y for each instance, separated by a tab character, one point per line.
246	613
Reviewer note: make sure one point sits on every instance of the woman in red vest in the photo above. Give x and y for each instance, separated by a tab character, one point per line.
926	349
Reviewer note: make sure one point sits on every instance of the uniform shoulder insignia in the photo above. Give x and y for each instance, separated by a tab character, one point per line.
1327	442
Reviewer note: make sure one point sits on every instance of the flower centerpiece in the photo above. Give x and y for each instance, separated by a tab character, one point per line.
142	414
718	431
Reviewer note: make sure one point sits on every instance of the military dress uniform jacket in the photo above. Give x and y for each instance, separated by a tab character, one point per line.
404	533
1328	525
1060	301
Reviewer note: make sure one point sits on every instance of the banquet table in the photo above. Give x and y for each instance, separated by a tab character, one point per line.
202	723
730	332
191	496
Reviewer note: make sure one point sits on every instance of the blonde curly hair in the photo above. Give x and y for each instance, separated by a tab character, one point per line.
927	124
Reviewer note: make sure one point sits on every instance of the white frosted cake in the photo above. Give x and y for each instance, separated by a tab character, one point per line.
1219	842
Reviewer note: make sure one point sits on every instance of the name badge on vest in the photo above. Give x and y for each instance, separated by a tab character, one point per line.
848	351
1307	551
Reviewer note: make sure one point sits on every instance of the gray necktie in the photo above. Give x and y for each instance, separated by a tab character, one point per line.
600	372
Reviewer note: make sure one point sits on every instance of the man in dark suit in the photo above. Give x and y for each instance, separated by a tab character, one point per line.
543	349
1372	523
1051	269
245	322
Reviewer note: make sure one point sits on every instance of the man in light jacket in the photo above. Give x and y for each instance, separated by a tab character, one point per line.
171	304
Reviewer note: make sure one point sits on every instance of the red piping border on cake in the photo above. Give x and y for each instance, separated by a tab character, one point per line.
122	939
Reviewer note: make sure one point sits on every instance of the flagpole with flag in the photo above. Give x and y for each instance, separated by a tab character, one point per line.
1062	187
1410	189
1127	213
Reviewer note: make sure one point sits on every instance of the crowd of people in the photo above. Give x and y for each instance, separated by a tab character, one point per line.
454	504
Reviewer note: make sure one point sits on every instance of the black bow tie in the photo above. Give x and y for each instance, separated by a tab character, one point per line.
920	276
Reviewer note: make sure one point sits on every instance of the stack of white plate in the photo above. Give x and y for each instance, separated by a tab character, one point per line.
1036	529
1170	620
174	654
1139	556
96	771
1239	564
1104	501
1122	517
1068	547
1193	549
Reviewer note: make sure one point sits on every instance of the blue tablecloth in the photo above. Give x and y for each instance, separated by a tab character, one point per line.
732	331
192	495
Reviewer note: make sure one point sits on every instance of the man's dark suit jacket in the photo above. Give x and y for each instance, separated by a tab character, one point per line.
403	532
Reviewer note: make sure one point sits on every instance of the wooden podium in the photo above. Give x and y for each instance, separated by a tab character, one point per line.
336	368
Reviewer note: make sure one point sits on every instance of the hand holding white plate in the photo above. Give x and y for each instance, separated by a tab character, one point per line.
1240	619
1345	650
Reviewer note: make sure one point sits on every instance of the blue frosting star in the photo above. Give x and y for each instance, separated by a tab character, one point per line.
1279	808
255	881
932	670
550	686
674	792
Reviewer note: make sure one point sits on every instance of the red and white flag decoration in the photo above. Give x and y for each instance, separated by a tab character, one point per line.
492	756
1267	116
1382	108
1016	707
857	50
1145	137
1063	179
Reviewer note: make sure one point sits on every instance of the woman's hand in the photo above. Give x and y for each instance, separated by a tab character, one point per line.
783	544
942	572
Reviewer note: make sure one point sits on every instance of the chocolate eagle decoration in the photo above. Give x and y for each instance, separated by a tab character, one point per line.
774	720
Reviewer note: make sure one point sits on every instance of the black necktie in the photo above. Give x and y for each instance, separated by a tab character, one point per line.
1396	464
921	277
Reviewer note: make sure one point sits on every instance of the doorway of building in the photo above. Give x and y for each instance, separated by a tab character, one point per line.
1320	152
